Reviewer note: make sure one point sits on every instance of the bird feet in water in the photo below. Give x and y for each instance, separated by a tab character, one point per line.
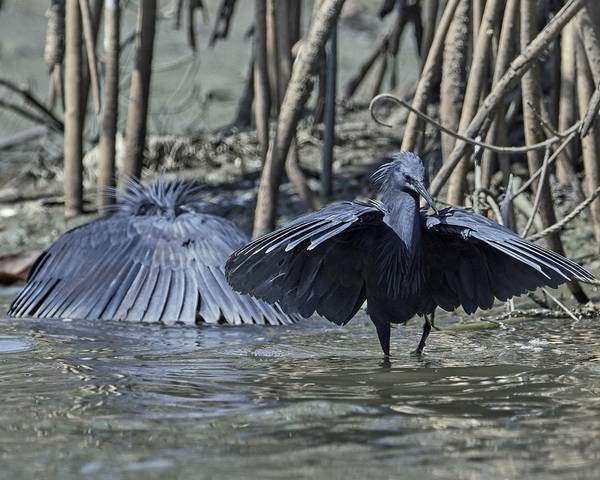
428	324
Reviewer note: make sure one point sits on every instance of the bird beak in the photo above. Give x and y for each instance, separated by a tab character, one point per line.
421	190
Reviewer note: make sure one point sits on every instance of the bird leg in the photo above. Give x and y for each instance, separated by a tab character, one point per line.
383	326
427	324
383	332
432	321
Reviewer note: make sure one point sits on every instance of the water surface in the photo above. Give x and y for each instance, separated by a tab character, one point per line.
113	400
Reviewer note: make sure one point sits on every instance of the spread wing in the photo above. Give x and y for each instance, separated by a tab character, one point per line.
470	260
142	268
315	263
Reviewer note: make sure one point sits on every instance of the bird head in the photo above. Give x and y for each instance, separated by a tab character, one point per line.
405	173
159	198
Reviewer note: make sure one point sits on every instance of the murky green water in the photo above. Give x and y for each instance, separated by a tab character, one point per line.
111	401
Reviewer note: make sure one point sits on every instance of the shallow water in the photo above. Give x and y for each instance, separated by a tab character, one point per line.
91	400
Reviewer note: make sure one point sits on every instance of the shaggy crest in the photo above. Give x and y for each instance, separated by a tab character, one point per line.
160	197
407	162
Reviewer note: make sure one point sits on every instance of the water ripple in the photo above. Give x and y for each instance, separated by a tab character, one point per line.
109	400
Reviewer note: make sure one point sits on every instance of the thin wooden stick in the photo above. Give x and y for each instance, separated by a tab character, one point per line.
262	95
560	304
430	71
430	10
566	106
23	112
592	113
22	137
88	35
243	114
475	83
538	194
139	95
498	127
355	81
283	48
222	22
110	113
329	120
454	73
73	138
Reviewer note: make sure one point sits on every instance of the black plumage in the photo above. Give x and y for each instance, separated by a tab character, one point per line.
159	258
395	256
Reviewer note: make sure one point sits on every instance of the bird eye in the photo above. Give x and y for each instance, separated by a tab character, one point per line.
143	209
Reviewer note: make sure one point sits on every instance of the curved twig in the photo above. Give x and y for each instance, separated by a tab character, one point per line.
496	148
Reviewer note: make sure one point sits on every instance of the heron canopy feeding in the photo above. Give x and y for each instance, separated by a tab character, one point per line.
158	258
393	254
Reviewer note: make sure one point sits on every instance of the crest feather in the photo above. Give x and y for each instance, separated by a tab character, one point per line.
160	194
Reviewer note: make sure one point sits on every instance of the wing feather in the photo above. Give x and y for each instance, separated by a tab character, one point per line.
141	303
209	304
174	304
143	268
316	263
159	297
472	260
134	292
189	308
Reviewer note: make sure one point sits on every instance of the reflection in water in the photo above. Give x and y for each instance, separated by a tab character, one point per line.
9	344
103	400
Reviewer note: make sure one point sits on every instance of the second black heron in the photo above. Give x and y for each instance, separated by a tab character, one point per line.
159	258
401	260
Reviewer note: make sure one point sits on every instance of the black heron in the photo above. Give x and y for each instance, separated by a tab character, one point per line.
159	258
395	256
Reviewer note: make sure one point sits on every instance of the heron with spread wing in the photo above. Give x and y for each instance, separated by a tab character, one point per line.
401	260
159	258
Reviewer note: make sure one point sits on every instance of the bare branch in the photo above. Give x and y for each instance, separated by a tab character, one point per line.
471	141
53	121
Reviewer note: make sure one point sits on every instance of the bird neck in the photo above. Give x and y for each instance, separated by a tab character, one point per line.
403	216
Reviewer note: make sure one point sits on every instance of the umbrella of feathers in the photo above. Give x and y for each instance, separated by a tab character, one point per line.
159	258
401	260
